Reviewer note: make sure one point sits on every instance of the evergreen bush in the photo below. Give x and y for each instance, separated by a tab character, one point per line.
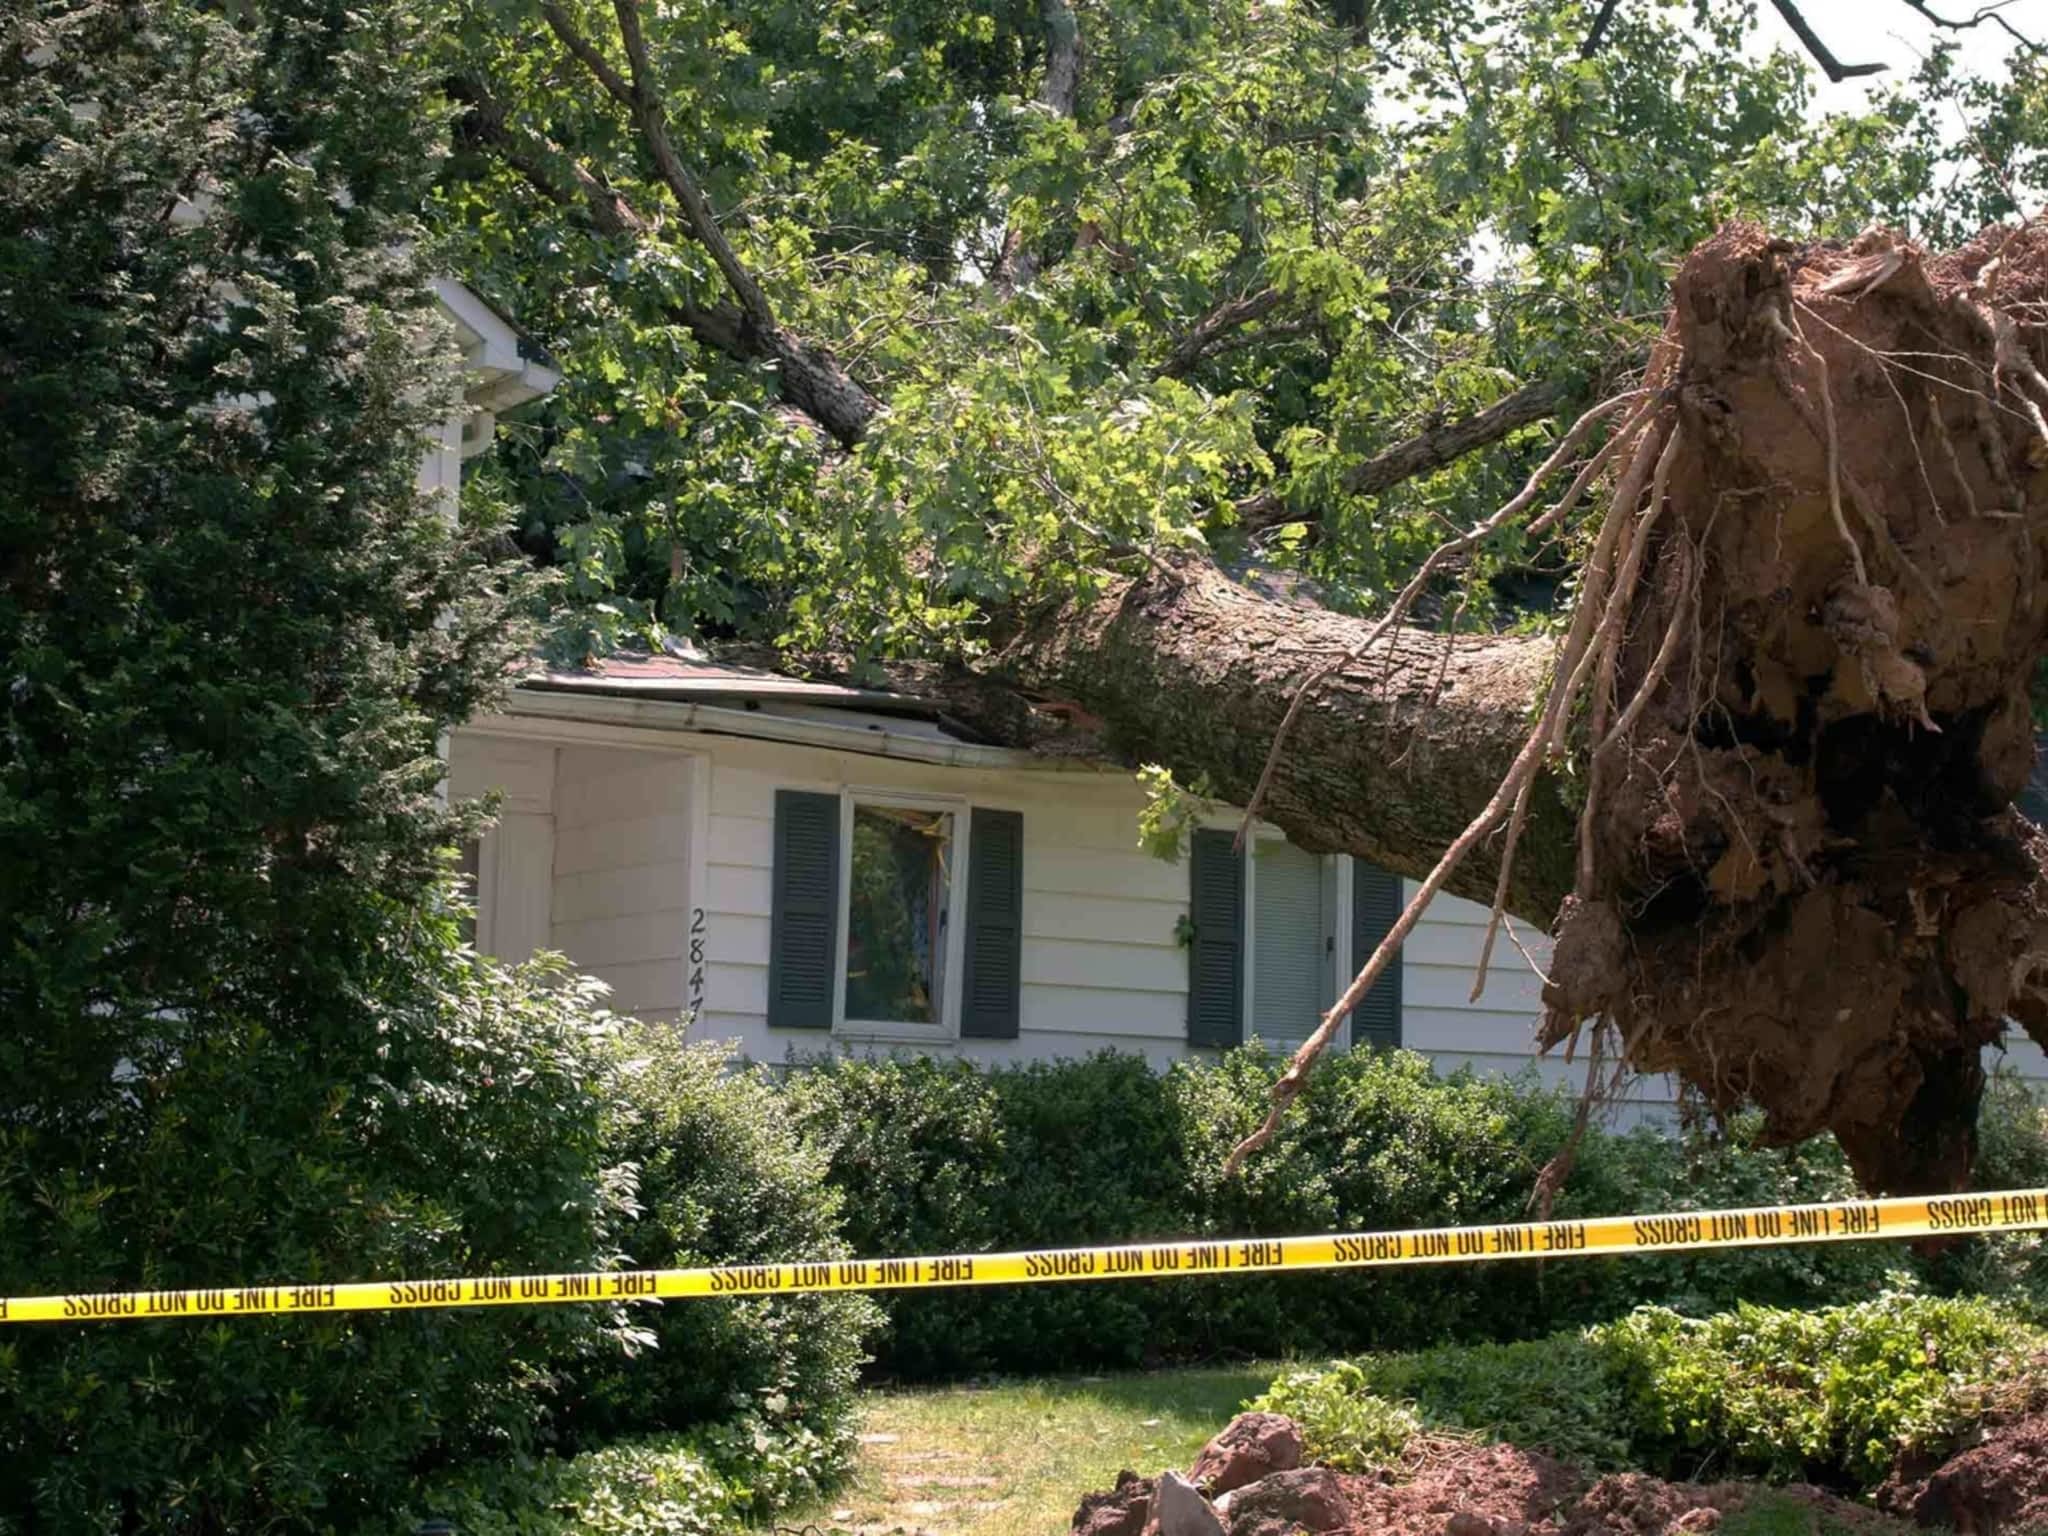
723	1179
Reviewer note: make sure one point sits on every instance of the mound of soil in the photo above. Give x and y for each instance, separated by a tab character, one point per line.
1498	1490
1482	1490
1998	1485
1635	1504
1455	1488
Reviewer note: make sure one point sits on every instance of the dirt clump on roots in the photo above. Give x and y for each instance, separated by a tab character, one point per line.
1801	880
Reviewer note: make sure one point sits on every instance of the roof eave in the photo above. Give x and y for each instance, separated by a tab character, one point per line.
644	713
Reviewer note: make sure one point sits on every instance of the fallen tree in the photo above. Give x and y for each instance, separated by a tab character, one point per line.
1762	785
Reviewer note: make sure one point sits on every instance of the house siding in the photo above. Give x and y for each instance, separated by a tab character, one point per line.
621	883
1494	1033
590	857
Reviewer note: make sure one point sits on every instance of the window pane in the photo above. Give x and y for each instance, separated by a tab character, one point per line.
896	923
1287	943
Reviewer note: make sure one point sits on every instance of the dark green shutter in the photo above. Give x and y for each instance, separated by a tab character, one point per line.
992	981
1375	905
1216	948
803	929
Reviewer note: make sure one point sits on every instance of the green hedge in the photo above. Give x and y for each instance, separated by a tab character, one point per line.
465	1136
715	1482
716	1412
937	1156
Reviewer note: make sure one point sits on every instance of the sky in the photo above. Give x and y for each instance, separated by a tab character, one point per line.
1887	32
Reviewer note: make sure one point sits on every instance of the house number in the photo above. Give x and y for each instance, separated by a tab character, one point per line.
696	960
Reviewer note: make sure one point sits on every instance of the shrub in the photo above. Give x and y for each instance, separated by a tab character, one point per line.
939	1157
1558	1394
464	1137
713	1481
1832	1395
2012	1153
661	1487
723	1179
1343	1423
1380	1141
240	1047
1703	1167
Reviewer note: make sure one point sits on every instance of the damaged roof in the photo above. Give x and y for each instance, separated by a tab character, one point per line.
681	677
698	680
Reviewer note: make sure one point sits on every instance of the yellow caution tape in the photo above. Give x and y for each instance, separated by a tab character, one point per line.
1841	1221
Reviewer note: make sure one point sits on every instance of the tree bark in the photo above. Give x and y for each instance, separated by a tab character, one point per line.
1391	759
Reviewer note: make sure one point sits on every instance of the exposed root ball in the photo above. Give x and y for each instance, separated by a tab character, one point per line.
1807	889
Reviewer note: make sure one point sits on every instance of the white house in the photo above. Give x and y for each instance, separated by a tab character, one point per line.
797	866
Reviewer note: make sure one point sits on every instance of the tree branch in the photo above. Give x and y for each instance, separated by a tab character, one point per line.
1597	33
744	329
652	121
1426	451
543	165
1207	333
1990	13
1059	92
538	161
564	27
1833	67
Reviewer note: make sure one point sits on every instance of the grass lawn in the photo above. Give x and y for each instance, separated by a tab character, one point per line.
1014	1458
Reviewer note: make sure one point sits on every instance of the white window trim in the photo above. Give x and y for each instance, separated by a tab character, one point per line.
947	1028
1337	949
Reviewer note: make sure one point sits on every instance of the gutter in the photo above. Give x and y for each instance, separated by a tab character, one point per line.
720	720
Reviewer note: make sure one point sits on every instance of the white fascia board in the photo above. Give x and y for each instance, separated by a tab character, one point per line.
489	343
501	374
677	715
497	392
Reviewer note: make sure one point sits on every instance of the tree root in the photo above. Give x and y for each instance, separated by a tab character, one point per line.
1804	891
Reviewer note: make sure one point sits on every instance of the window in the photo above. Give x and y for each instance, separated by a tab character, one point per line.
1293	941
1276	932
895	916
898	914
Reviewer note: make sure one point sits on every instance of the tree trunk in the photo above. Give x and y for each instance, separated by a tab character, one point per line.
1391	759
1801	883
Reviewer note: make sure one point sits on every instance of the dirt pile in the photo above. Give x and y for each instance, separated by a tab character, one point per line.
1252	1446
1491	1490
1998	1485
1455	1488
1826	616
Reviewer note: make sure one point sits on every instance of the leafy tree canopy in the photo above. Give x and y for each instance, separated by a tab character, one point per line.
1112	277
